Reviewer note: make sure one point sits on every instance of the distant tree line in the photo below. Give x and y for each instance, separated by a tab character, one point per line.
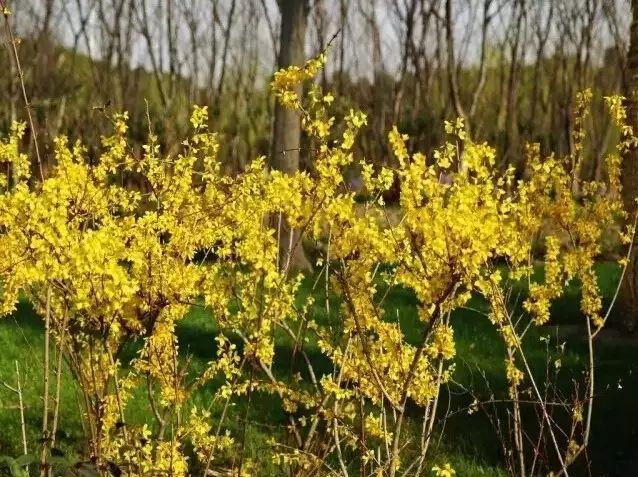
510	68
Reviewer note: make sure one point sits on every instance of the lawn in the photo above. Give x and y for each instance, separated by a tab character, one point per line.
468	442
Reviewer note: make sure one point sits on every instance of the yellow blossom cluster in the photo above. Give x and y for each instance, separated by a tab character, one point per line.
118	250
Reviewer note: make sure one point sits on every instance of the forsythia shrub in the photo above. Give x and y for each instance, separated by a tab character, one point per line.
107	264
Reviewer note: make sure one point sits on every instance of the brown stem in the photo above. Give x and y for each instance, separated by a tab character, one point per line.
58	377
46	438
408	380
23	426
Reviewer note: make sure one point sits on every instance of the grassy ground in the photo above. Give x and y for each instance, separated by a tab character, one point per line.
468	442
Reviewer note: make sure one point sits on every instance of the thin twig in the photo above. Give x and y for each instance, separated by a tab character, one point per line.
622	277
23	426
6	13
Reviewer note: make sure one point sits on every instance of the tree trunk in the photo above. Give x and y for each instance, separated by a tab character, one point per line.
629	289
287	124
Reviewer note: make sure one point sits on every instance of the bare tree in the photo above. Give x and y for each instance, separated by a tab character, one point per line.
490	8
406	17
287	124
225	48
513	82
144	23
542	25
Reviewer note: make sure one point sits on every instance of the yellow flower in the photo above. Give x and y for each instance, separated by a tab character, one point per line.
445	471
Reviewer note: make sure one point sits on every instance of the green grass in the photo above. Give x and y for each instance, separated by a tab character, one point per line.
468	441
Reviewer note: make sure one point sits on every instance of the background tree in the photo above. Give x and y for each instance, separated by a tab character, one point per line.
286	137
511	67
629	289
